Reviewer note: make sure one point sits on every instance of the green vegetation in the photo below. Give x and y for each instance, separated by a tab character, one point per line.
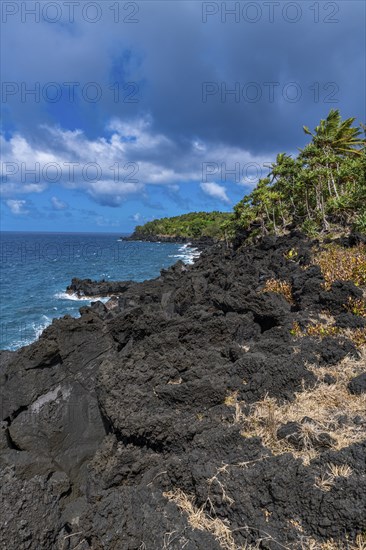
324	187
319	330
193	225
342	264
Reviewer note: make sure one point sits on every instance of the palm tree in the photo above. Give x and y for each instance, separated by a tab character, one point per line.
337	136
334	139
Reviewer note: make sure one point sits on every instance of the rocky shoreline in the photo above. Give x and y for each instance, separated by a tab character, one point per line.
201	242
186	412
95	289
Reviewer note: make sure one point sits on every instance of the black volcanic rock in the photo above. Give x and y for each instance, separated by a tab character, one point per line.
199	242
358	384
87	287
108	419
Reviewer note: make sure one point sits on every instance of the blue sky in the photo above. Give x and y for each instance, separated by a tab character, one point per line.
115	113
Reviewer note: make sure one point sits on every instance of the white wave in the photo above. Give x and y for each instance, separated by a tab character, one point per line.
187	253
39	327
75	298
31	333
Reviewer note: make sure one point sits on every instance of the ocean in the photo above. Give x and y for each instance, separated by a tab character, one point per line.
36	268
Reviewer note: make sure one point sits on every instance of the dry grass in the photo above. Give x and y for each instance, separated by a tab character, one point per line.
356	306
199	519
324	404
342	264
326	480
175	382
231	399
310	544
215	479
320	330
317	330
279	287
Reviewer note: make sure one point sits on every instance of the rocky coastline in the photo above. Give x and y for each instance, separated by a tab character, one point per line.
200	242
187	412
95	289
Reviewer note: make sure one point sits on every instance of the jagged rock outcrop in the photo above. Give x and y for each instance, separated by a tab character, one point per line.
87	287
199	242
116	424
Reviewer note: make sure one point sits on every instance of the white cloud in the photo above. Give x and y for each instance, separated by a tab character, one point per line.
215	191
111	170
58	204
17	206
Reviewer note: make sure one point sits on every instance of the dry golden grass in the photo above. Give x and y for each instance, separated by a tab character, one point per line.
324	403
326	480
199	519
358	336
215	479
279	287
342	264
311	544
231	399
320	330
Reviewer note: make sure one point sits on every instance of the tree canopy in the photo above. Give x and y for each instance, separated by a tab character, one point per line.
324	186
192	225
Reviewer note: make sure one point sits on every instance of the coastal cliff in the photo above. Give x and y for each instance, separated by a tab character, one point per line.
219	406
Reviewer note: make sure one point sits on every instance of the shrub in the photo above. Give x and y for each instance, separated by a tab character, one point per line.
310	228
356	306
360	222
318	330
292	254
342	264
279	287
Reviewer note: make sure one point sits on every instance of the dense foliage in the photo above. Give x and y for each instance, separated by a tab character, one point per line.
193	225
324	186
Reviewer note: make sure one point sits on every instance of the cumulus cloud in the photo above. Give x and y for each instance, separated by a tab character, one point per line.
112	170
58	204
17	207
215	191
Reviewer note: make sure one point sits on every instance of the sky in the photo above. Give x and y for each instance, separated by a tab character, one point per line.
116	113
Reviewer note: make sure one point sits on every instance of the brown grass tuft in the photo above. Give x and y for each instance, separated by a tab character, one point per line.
310	544
342	264
200	520
356	306
320	330
326	480
231	399
324	403
279	287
